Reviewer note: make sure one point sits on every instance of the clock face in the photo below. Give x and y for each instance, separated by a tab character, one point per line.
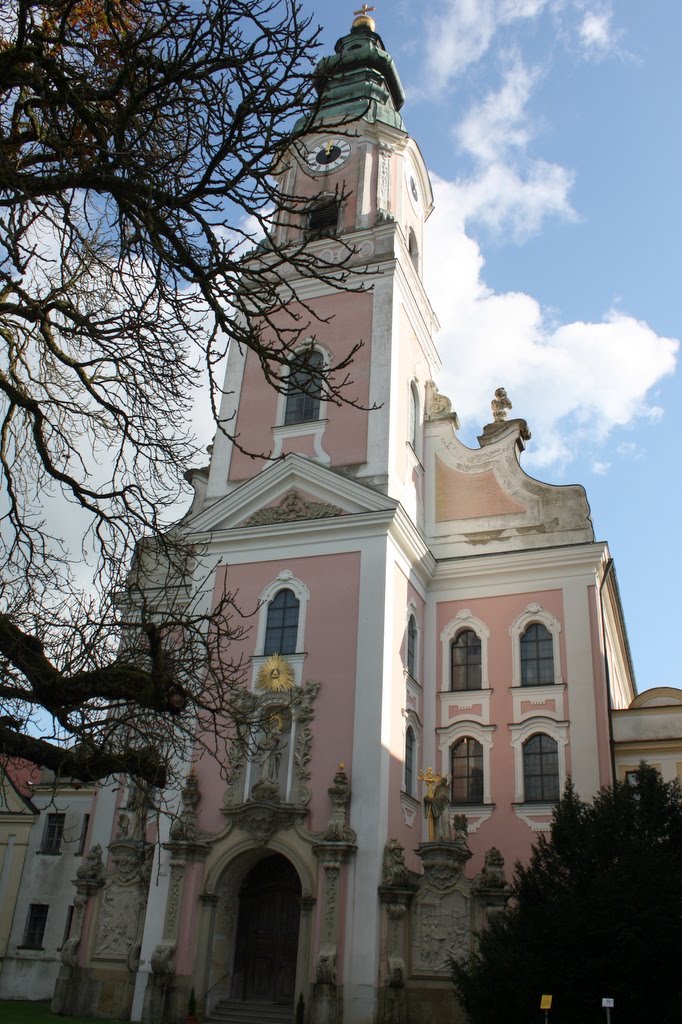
412	186
328	155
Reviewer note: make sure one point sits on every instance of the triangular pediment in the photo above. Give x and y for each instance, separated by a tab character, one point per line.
292	490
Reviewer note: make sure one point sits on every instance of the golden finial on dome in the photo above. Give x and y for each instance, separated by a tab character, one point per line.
363	20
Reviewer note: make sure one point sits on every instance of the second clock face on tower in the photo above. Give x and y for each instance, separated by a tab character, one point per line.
328	154
412	187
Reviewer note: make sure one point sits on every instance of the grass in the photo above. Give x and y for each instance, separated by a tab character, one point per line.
25	1012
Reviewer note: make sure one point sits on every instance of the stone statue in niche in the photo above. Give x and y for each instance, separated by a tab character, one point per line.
272	747
270	750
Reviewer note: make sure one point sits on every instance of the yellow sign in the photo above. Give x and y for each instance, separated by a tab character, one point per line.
545	1002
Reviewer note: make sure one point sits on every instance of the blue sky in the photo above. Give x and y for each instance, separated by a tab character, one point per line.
552	131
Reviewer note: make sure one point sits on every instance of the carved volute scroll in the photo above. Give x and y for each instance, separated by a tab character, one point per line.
438	407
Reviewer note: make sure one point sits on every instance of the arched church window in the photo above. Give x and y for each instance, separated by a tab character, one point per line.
281	630
465	661
413	426
412	646
537	656
323	217
540	768
304	387
413	249
410	750
466	768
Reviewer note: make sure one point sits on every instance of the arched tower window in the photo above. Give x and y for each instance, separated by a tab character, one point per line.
465	661
537	656
304	387
413	248
281	630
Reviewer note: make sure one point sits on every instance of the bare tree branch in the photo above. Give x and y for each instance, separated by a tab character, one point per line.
136	144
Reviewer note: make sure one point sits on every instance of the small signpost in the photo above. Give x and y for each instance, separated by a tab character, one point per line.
607	1004
546	1005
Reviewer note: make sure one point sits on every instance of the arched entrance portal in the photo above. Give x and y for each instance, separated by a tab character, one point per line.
267	933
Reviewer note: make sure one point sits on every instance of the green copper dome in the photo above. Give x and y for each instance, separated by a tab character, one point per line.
359	81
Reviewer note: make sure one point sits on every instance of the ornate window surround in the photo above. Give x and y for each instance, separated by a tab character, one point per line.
410	801
558	731
459	730
535	613
412	614
285	580
546	779
282	431
411	721
464	619
468	757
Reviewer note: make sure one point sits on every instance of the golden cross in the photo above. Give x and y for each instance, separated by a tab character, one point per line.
430	779
364	9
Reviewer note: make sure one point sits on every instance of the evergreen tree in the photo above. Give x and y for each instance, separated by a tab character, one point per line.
596	913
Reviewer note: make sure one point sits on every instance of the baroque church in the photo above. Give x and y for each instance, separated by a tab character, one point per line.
438	645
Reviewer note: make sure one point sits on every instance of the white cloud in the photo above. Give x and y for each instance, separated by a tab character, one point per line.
596	32
574	382
461	31
630	450
499	123
512	202
509	191
601	468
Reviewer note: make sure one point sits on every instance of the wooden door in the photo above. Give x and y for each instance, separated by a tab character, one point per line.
267	932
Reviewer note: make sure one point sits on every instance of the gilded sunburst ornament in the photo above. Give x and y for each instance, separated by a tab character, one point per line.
275	675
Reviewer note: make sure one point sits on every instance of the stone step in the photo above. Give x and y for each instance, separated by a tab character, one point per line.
235	1012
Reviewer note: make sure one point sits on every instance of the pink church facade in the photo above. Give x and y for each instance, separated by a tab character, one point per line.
435	611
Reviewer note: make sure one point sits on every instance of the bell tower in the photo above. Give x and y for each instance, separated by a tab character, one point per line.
358	195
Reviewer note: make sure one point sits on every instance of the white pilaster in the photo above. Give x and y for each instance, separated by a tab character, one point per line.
369	786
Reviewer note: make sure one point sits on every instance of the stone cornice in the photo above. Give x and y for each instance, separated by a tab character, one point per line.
547	563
